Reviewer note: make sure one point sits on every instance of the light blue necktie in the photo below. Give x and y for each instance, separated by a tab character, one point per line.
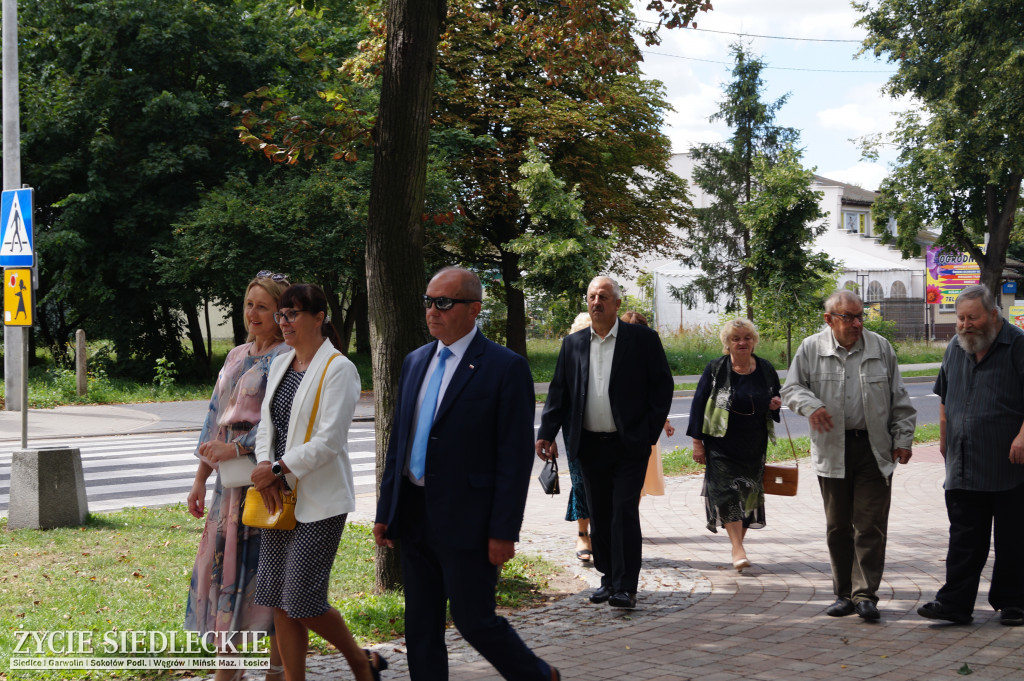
418	459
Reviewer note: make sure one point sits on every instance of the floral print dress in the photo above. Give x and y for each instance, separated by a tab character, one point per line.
220	596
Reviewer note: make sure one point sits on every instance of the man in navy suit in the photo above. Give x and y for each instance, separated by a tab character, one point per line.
455	483
610	395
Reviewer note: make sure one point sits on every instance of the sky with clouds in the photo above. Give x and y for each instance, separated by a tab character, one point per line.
834	96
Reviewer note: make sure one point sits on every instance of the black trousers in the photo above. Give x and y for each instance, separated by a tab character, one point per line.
613	477
857	522
972	516
435	574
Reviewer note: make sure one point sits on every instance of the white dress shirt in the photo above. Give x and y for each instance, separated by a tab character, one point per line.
597	410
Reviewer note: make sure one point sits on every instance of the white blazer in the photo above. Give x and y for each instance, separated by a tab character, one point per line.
320	467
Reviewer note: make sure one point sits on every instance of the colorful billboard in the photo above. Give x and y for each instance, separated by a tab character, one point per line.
949	272
1017	315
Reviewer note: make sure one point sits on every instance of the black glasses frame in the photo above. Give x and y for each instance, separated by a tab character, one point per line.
444	303
290	316
848	318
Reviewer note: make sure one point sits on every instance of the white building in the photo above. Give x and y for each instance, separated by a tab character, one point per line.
881	274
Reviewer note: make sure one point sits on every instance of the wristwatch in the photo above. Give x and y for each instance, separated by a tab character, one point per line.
277	469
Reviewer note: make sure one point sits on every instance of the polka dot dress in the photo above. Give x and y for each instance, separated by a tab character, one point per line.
295	565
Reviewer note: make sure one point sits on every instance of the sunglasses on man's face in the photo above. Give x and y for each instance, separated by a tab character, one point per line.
442	303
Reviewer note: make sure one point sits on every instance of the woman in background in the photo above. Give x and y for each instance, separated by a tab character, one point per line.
577	507
220	596
654	481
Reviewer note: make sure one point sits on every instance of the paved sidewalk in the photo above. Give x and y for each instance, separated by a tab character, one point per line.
699	619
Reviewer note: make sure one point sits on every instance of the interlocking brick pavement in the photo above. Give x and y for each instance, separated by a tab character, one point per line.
697	618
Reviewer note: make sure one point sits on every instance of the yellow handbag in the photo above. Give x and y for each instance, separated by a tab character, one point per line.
254	511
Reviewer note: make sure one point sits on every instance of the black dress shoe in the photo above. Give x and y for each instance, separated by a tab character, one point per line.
1011	617
841	608
621	599
937	611
867	610
602	594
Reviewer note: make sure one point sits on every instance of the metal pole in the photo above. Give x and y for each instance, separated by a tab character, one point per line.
24	386
15	341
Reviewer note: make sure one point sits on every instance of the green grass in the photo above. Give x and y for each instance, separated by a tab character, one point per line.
130	570
679	461
55	387
919	372
926	434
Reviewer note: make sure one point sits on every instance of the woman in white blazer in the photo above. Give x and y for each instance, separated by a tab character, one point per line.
295	565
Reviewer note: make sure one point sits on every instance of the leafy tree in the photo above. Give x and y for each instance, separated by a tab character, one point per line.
560	253
961	156
308	222
588	110
124	130
719	240
783	217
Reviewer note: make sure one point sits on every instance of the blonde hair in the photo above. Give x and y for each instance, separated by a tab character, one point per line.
274	289
738	324
581	322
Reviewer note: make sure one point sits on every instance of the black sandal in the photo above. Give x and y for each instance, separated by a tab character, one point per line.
381	665
585	555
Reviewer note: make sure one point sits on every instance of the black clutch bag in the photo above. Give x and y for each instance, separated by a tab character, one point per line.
549	477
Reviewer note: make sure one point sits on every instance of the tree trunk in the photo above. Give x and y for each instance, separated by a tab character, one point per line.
195	335
515	304
345	330
394	239
338	317
209	333
1001	216
238	333
362	322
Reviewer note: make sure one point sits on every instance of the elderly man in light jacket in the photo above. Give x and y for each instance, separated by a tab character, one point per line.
846	381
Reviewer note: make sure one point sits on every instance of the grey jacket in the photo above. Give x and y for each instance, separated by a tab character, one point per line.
815	380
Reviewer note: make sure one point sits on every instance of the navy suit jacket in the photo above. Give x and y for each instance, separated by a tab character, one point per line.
640	389
480	452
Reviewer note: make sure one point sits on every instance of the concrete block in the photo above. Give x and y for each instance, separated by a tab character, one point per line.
47	489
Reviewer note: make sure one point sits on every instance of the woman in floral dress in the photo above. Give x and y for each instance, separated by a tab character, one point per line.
220	597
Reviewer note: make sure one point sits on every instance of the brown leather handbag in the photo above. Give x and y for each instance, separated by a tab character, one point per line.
782	479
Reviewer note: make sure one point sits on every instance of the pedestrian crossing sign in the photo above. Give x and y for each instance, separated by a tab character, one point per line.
18	297
16	228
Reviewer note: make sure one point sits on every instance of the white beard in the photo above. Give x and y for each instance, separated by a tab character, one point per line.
973	343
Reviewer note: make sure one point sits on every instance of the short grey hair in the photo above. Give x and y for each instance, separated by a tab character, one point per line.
616	290
843	295
738	324
978	292
469	281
